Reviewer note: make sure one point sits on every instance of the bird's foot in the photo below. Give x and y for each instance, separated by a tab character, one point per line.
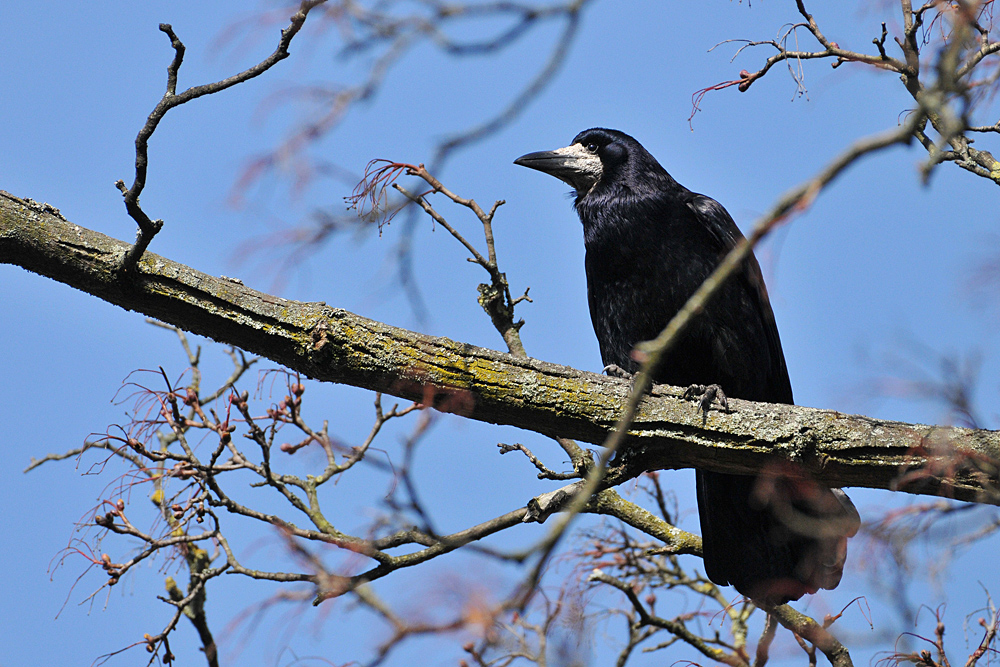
616	371
709	394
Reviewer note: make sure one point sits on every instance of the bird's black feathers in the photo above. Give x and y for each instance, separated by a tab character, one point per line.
650	244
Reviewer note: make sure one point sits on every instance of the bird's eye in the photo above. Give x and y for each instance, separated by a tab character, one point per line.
592	147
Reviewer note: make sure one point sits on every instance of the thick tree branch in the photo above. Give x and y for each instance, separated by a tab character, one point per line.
334	345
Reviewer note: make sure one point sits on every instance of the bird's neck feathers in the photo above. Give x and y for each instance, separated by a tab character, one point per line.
625	210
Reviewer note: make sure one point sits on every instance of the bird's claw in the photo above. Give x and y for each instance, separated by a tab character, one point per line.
709	394
616	371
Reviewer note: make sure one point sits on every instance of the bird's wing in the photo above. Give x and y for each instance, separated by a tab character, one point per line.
723	230
716	221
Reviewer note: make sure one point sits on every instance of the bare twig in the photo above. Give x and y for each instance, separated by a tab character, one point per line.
147	227
946	102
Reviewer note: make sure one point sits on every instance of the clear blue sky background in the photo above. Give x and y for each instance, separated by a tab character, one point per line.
879	267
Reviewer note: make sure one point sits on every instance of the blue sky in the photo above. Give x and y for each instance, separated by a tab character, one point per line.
878	267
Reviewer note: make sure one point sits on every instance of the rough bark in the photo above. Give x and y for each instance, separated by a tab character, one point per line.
333	345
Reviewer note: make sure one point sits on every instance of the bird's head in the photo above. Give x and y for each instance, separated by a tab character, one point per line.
596	156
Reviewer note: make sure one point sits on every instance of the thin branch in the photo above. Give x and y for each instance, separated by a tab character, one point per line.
810	630
148	228
675	627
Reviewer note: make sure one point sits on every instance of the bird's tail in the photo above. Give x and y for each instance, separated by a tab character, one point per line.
776	536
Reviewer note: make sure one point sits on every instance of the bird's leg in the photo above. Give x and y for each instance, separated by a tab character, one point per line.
709	394
616	371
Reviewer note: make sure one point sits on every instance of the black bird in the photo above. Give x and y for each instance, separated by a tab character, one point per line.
650	244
